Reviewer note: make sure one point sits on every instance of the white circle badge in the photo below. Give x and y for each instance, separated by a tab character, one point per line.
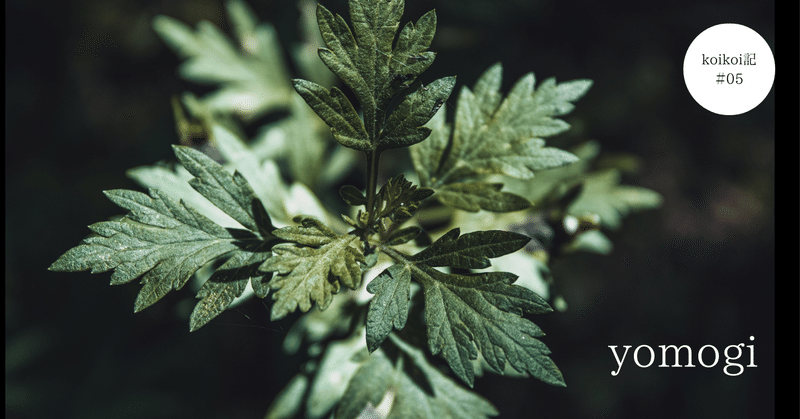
729	69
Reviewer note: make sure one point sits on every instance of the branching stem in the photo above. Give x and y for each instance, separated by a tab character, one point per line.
372	184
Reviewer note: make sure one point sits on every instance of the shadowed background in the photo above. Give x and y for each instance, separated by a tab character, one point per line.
88	85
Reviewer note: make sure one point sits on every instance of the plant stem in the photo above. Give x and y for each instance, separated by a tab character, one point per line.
372	184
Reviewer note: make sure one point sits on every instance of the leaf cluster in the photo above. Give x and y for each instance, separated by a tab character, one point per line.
258	230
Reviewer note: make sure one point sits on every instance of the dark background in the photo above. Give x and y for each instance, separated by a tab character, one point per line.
88	87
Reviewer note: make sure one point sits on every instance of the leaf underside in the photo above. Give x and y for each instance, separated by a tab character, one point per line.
312	267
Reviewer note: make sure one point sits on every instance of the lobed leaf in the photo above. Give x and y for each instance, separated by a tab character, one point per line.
337	111
311	268
466	313
389	307
472	250
251	75
165	241
377	73
405	125
476	196
416	389
496	136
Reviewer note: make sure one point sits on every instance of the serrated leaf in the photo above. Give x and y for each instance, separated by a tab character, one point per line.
252	76
164	240
398	198
228	282
441	397
468	313
602	195
472	250
476	196
495	136
405	125
336	110
389	307
413	387
230	193
484	310
312	268
377	73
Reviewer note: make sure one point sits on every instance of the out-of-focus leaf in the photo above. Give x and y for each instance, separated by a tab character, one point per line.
476	196
252	75
603	195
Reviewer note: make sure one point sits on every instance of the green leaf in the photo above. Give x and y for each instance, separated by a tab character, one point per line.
389	307
440	398
413	388
485	310
496	136
252	76
403	236
475	196
165	241
368	386
228	282
352	195
337	111
313	267
602	195
398	198
289	401
472	250
405	125
377	73
340	363
467	313
230	193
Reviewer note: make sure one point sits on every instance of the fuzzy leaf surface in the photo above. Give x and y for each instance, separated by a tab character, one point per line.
165	241
365	59
420	390
389	307
312	267
492	135
476	196
467	313
398	198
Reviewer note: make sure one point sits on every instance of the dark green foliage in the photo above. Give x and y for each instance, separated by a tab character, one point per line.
483	308
168	241
473	311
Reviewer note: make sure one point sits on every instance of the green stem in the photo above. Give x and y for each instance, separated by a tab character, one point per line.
372	185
